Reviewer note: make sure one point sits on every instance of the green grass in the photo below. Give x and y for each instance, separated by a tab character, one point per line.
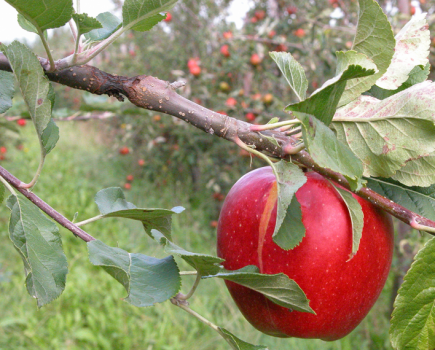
90	314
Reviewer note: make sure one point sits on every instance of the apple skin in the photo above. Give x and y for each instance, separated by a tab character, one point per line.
341	291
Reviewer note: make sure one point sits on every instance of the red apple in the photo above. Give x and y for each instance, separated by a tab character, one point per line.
341	291
228	35
300	33
22	122
292	10
225	50
271	34
3	149
195	70
260	14
124	150
141	162
267	99
231	102
192	62
127	186
129	178
255	59
250	116
168	17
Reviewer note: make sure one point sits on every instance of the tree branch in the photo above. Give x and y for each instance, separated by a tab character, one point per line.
154	94
14	182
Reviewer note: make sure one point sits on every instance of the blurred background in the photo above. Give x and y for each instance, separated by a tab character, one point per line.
220	49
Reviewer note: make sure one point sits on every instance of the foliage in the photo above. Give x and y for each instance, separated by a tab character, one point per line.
343	131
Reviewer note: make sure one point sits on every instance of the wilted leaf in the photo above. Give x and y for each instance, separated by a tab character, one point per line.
37	240
147	280
386	134
413	319
412	49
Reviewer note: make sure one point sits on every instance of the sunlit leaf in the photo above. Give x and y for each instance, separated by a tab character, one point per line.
44	14
110	23
7	90
86	23
237	343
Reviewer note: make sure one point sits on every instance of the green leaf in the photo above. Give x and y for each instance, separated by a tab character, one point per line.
413	318
293	73
7	90
375	39
323	102
420	200
356	216
387	134
273	120
412	49
329	152
204	264
147	280
2	193
85	23
44	14
417	75
110	23
112	203
37	240
35	89
25	24
50	136
278	288
112	199
142	15
237	343
289	229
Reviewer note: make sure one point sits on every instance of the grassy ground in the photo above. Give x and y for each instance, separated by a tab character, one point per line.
91	314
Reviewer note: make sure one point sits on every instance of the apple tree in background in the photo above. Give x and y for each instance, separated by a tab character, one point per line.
369	129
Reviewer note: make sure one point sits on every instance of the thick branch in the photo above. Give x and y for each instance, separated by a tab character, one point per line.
154	94
13	181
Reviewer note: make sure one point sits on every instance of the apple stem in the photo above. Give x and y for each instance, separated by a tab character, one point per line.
417	226
84	222
274	125
192	290
182	304
38	172
188	273
9	187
